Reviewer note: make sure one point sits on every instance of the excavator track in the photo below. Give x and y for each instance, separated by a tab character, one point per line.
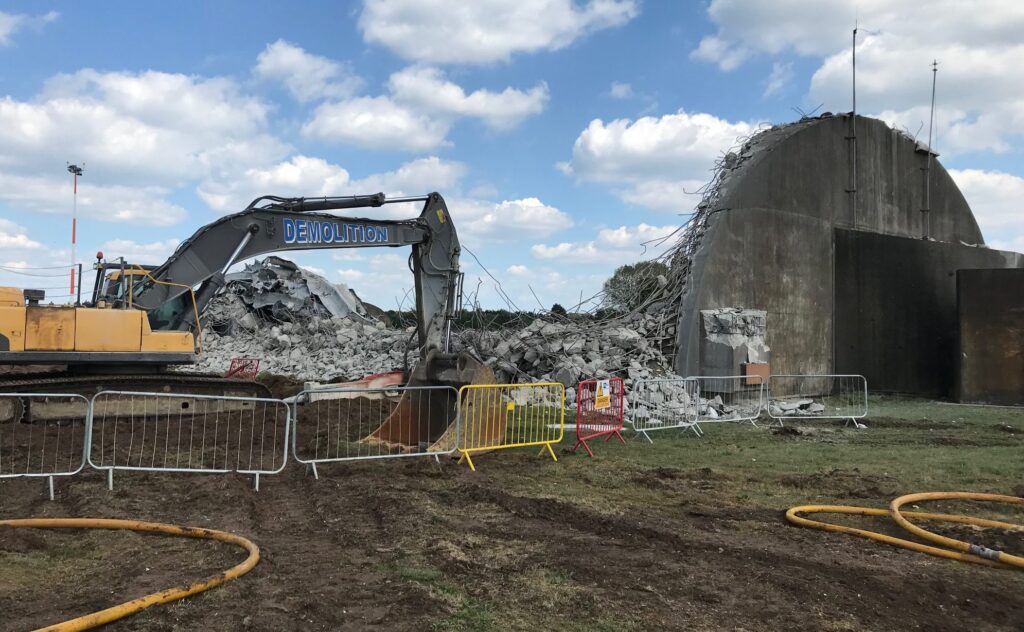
90	384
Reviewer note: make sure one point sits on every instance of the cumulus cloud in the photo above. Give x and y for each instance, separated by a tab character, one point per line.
509	220
485	31
376	123
657	162
313	177
980	82
11	23
153	253
306	76
426	89
15	237
109	203
612	246
419	110
151	127
995	198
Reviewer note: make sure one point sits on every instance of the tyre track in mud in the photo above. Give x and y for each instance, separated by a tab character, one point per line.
707	574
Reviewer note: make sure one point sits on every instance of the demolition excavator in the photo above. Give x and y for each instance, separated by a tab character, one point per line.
143	319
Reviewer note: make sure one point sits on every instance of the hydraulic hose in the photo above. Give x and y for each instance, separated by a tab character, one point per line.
134	606
962	551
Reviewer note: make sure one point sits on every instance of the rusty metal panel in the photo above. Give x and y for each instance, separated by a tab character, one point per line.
990	362
50	328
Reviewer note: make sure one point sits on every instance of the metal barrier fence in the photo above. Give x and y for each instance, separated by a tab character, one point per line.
661	404
729	398
175	432
336	425
599	410
501	416
43	435
818	397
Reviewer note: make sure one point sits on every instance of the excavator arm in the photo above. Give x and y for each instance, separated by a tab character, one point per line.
274	224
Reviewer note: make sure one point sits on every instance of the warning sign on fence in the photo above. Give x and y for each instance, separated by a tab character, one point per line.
603	396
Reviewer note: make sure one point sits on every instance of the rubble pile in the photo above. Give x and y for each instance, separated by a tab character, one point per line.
801	407
278	313
568	351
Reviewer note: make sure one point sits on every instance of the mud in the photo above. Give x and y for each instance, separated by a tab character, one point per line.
415	545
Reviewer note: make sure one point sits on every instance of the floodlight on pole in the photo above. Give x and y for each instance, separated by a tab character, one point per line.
75	171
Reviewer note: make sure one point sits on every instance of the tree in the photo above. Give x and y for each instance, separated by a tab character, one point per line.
632	285
558	310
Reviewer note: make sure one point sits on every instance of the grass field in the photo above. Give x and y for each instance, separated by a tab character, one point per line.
684	533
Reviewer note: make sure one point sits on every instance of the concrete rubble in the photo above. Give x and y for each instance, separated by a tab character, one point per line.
299	324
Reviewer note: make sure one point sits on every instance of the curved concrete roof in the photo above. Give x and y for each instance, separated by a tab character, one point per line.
784	202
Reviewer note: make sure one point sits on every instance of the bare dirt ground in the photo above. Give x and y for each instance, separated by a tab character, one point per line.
683	534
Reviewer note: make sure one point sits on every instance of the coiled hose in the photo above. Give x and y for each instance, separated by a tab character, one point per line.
127	608
955	549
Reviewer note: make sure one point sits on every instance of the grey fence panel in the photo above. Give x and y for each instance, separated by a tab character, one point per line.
662	404
346	424
43	435
818	397
738	398
177	432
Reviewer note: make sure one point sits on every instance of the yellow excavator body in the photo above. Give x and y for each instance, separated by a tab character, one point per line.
66	328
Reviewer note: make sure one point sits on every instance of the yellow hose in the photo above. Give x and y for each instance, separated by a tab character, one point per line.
127	608
964	551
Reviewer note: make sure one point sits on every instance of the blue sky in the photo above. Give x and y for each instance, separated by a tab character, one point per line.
563	134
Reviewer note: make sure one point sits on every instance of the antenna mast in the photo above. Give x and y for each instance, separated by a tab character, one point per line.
926	211
852	138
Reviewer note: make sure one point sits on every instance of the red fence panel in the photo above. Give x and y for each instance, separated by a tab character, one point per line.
599	409
244	368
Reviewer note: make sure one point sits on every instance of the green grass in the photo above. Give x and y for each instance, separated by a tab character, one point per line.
909	445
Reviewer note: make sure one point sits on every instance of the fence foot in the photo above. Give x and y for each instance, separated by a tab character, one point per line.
256	482
552	452
110	480
316	474
856	424
580	442
647	436
49	480
619	435
469	461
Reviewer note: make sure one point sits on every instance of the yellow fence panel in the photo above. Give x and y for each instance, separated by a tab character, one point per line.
499	416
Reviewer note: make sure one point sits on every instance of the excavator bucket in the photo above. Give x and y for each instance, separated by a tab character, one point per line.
424	421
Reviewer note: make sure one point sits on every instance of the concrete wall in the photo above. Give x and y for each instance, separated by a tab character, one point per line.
896	308
769	242
991	336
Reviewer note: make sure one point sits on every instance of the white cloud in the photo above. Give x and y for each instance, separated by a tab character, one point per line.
511	220
306	76
620	90
519	270
781	75
978	45
315	177
376	123
15	237
150	128
143	254
654	162
11	23
485	31
297	176
612	246
108	203
419	110
427	90
995	197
